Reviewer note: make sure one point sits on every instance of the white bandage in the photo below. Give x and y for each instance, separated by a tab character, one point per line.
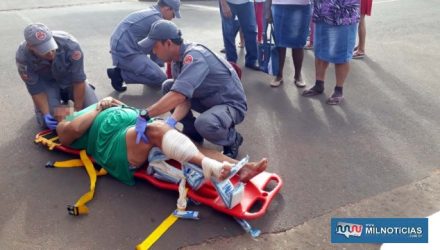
210	167
178	147
182	201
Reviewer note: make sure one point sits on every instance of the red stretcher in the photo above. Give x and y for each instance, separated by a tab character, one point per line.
258	193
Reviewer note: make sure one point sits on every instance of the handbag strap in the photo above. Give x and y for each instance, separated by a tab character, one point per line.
271	38
264	33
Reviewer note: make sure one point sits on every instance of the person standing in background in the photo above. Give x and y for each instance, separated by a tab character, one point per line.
359	51
244	11
259	15
291	20
309	44
336	23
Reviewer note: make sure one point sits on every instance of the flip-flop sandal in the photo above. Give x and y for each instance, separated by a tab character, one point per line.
335	100
300	83
311	92
308	47
358	55
275	83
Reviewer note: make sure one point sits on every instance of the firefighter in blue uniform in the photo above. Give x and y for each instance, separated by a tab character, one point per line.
203	82
132	65
51	63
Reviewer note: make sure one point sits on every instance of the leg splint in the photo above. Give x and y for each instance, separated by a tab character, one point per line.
193	175
229	196
159	168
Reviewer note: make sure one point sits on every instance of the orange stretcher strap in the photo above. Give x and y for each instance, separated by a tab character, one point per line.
84	161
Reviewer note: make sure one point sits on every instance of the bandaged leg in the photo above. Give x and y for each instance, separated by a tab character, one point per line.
180	148
211	167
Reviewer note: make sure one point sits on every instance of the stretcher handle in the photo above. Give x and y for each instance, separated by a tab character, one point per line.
267	199
43	133
260	186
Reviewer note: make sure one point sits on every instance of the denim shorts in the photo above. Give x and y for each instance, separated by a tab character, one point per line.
291	25
334	43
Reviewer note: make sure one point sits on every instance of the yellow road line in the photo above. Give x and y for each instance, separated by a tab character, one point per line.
157	233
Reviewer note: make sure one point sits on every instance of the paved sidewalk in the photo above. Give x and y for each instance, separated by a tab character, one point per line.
418	199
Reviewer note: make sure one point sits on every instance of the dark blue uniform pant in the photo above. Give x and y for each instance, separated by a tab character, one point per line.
139	68
215	124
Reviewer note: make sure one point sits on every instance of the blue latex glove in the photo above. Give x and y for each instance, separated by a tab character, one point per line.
171	122
51	123
140	128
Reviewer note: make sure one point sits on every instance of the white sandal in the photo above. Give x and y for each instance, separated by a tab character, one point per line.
275	83
300	83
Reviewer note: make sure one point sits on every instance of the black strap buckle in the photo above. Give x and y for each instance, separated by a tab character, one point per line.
50	164
73	210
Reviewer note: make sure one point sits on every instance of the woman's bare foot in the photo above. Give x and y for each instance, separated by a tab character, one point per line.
252	169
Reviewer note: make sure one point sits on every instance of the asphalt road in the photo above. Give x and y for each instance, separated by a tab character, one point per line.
385	135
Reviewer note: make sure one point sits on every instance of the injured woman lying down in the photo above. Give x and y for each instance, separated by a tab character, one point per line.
106	130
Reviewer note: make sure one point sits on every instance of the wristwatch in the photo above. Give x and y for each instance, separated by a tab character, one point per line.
144	114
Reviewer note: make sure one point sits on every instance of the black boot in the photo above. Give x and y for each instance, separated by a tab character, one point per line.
232	150
189	129
117	82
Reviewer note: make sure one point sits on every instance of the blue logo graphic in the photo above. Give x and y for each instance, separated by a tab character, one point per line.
379	230
349	229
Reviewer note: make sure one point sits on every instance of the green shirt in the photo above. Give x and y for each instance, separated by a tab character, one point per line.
105	139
